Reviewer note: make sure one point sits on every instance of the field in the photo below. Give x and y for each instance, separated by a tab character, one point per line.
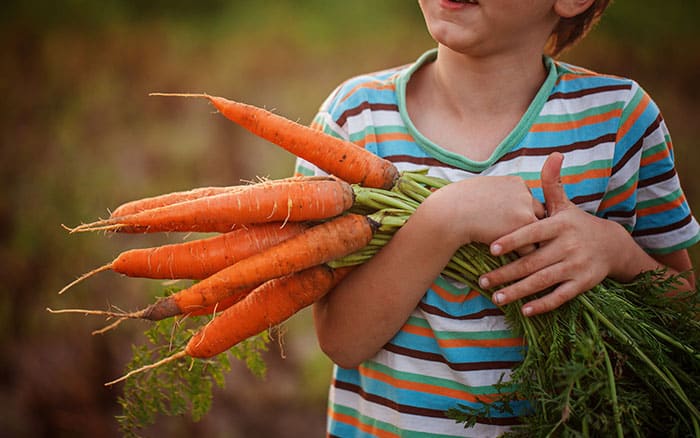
79	135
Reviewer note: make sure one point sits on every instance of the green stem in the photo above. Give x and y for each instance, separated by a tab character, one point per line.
627	340
617	416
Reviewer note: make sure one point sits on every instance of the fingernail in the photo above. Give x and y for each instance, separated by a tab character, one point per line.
527	311
498	298
484	283
496	249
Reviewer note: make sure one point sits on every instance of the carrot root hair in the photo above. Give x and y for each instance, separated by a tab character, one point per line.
140	314
103	268
176	356
109	327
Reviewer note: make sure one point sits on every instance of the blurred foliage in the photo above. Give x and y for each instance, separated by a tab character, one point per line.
80	135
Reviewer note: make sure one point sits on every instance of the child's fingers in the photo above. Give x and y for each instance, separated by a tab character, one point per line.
531	234
539	281
518	270
561	294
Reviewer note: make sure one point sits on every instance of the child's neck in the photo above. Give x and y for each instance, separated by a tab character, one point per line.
469	105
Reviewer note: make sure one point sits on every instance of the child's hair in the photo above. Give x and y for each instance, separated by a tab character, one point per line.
570	30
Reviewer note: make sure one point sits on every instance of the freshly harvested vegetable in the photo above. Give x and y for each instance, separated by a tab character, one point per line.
151	202
316	245
338	157
198	259
266	306
296	199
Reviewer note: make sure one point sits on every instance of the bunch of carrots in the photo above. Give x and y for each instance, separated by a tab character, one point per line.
283	244
275	243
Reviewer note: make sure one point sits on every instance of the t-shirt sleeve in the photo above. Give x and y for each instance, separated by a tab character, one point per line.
647	180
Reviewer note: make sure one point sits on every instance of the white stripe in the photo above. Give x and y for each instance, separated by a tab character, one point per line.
440	370
570	106
413	422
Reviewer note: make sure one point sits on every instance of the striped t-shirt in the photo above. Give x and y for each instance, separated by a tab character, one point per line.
456	347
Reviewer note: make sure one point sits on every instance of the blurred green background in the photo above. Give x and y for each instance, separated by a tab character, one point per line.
80	135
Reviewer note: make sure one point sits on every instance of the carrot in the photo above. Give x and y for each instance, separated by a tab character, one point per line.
197	259
150	202
139	205
344	159
268	305
295	199
314	246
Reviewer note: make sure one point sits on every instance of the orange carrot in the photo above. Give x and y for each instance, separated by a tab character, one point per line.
344	159
295	199
139	205
201	258
267	306
316	245
148	203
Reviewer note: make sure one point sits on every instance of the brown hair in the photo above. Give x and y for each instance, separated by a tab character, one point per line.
570	30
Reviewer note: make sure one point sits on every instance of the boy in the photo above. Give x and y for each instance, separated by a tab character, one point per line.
489	112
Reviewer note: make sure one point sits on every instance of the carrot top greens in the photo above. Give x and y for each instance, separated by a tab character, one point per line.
183	387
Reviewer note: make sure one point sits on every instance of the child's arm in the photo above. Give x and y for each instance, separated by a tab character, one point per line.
369	307
576	251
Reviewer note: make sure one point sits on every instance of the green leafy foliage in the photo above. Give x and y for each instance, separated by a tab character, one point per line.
622	359
180	387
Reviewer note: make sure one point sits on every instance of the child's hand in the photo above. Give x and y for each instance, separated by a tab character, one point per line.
482	209
576	251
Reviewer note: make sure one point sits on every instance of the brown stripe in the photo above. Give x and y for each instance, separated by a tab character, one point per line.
665	229
421	161
414	410
457	366
433	310
578	200
636	147
657	179
620	214
588	91
540	151
364	106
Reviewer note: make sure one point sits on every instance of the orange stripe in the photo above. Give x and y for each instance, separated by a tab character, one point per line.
369	85
655	157
457	343
452	298
573	179
624	129
617	198
376	138
348	419
425	387
484	343
661	207
574	124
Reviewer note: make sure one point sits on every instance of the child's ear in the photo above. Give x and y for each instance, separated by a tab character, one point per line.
571	8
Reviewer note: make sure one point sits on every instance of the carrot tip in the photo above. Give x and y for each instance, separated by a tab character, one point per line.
171	358
84	276
181	95
109	327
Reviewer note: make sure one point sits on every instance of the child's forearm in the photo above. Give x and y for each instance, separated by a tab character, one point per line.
365	311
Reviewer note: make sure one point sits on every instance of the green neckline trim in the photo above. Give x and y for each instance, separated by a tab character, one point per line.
513	138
